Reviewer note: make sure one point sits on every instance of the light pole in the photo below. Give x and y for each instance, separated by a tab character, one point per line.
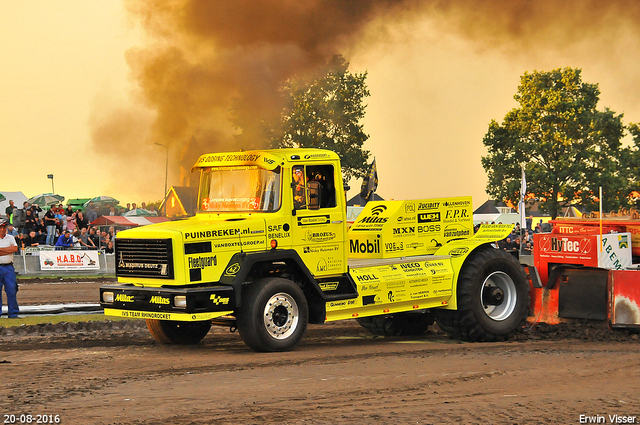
50	176
166	174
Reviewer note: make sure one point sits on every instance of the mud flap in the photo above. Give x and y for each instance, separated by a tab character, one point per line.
582	294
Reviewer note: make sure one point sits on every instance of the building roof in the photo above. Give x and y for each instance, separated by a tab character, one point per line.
358	201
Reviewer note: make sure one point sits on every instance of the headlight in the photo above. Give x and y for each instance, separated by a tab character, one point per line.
107	297
180	301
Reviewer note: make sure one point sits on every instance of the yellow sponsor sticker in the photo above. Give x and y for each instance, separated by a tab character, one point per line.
165	315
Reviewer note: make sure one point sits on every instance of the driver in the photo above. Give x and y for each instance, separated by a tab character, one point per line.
299	200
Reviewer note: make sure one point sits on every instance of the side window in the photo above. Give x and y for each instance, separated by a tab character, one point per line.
313	187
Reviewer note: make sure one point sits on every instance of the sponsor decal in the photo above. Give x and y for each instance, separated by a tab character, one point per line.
428	217
428	228
342	303
311	236
232	270
404	231
393	246
373	220
409	208
454	231
322	266
458	252
268	160
229	158
623	241
379	209
390	296
238	243
217	299
456	203
367	247
411	266
328	286
202	262
313	220
279	231
328	264
219	233
366	277
370	287
317	249
565	245
456	214
316	155
428	206
402	219
157	299
124	298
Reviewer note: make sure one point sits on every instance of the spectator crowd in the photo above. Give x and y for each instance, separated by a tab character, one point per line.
62	227
517	239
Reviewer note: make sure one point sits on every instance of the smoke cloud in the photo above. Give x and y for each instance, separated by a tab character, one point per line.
210	64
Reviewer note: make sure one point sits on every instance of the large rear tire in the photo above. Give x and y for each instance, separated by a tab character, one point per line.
398	324
175	332
273	316
493	298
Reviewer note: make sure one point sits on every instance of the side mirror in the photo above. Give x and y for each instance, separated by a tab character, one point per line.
315	194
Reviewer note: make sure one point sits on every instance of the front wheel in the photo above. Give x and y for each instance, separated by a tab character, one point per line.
273	316
175	332
493	298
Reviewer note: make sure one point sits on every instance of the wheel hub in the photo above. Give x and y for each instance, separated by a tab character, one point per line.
499	296
492	295
281	316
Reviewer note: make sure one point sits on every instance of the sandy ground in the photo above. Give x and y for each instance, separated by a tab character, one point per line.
114	372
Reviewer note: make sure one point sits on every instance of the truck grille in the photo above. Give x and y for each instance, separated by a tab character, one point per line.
152	258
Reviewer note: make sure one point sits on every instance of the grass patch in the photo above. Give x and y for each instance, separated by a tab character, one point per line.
66	277
72	318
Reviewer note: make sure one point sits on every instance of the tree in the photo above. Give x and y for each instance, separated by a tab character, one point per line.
569	149
324	111
630	159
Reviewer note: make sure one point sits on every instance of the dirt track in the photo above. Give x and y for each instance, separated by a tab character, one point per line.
116	373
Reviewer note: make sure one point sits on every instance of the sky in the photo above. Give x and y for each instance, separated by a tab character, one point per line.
88	88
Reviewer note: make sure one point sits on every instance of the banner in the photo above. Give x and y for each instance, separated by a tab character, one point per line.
69	260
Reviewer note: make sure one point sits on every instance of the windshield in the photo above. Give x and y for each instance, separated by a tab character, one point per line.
243	188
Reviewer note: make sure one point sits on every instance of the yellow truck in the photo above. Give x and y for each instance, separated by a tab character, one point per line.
269	252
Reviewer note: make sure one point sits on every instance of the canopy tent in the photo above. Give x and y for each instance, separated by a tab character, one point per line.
46	199
139	212
102	200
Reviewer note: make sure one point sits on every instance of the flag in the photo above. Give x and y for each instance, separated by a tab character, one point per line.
369	183
523	187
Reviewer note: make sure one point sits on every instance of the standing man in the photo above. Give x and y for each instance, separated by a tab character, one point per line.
9	211
8	246
50	221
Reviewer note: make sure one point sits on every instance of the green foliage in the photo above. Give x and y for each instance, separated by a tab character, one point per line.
568	147
324	111
630	159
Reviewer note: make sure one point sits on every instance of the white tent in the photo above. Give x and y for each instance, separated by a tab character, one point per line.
17	197
511	218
